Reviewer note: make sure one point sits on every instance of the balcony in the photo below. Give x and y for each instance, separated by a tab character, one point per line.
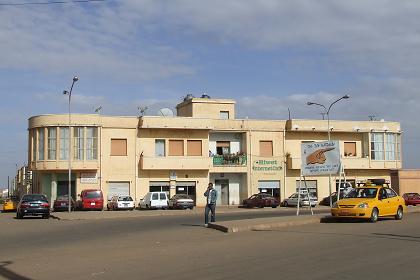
175	163
229	159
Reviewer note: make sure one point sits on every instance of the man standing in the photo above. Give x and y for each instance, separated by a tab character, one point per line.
211	195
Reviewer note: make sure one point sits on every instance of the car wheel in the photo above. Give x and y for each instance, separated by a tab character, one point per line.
286	204
46	216
274	206
18	216
191	208
399	214
374	215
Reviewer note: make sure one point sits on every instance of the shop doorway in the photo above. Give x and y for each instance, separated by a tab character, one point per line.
222	186
187	188
159	187
63	188
270	187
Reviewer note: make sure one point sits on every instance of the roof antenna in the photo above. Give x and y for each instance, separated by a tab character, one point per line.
142	110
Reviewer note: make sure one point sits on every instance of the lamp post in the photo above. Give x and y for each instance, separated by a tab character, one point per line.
327	112
65	92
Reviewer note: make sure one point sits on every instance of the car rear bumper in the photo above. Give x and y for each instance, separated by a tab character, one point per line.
183	205
34	211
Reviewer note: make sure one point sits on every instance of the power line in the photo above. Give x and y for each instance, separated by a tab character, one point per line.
49	2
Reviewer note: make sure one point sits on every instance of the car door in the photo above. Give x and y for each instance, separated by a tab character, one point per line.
383	203
394	201
293	200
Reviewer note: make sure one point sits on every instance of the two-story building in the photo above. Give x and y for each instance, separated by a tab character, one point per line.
203	143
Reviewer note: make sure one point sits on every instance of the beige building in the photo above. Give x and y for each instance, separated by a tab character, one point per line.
203	143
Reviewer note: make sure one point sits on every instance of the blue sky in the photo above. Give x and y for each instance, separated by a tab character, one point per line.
278	54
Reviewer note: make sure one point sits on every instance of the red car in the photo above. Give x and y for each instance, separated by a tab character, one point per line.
62	203
261	200
411	198
91	200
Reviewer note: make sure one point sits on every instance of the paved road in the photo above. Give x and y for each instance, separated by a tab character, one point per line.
178	248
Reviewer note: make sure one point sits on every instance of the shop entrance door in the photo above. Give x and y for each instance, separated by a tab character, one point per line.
63	188
187	188
224	191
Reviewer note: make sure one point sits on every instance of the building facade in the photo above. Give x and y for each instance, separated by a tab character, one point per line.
203	143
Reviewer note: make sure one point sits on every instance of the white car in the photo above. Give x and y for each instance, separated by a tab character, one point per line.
154	200
123	202
304	201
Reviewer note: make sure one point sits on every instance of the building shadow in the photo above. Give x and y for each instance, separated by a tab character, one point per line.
9	274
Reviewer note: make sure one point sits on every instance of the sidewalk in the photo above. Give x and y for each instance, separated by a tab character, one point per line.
97	215
279	222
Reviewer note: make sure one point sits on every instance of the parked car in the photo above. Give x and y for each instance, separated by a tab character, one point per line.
411	198
261	200
370	203
91	200
303	201
181	201
33	205
61	203
154	200
123	202
10	204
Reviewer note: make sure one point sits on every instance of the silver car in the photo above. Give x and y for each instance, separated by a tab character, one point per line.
304	201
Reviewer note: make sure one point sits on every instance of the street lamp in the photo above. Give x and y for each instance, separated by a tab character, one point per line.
327	112
65	92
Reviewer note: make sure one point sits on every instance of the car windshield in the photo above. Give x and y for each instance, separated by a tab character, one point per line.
94	194
34	197
125	198
363	193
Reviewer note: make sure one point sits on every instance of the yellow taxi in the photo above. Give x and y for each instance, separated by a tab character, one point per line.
370	202
10	204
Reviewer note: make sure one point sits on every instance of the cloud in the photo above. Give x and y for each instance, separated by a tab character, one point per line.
95	39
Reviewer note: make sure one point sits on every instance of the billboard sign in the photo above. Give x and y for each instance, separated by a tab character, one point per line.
320	158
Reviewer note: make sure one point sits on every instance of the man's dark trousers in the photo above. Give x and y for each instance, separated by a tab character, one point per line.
212	208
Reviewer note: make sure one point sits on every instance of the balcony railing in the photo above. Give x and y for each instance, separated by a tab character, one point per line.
229	159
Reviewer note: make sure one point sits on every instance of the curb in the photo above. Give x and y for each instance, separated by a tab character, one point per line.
267	226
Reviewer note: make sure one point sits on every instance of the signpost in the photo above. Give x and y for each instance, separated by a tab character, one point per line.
318	159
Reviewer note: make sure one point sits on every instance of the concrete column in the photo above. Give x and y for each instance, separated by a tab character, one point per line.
53	187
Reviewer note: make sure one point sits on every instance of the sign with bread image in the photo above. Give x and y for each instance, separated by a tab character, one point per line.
320	158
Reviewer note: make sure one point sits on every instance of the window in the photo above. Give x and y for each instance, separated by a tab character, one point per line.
34	142
41	143
52	143
78	147
377	146
91	143
118	147
398	146
194	148
155	196
176	147
64	142
349	149
266	148
390	143
222	147
160	147
224	115
390	193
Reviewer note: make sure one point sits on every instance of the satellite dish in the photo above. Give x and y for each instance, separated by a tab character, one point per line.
166	112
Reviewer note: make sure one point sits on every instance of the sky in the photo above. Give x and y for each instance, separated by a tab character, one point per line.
268	55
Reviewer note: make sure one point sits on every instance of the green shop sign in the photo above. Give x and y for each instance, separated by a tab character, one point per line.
266	165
